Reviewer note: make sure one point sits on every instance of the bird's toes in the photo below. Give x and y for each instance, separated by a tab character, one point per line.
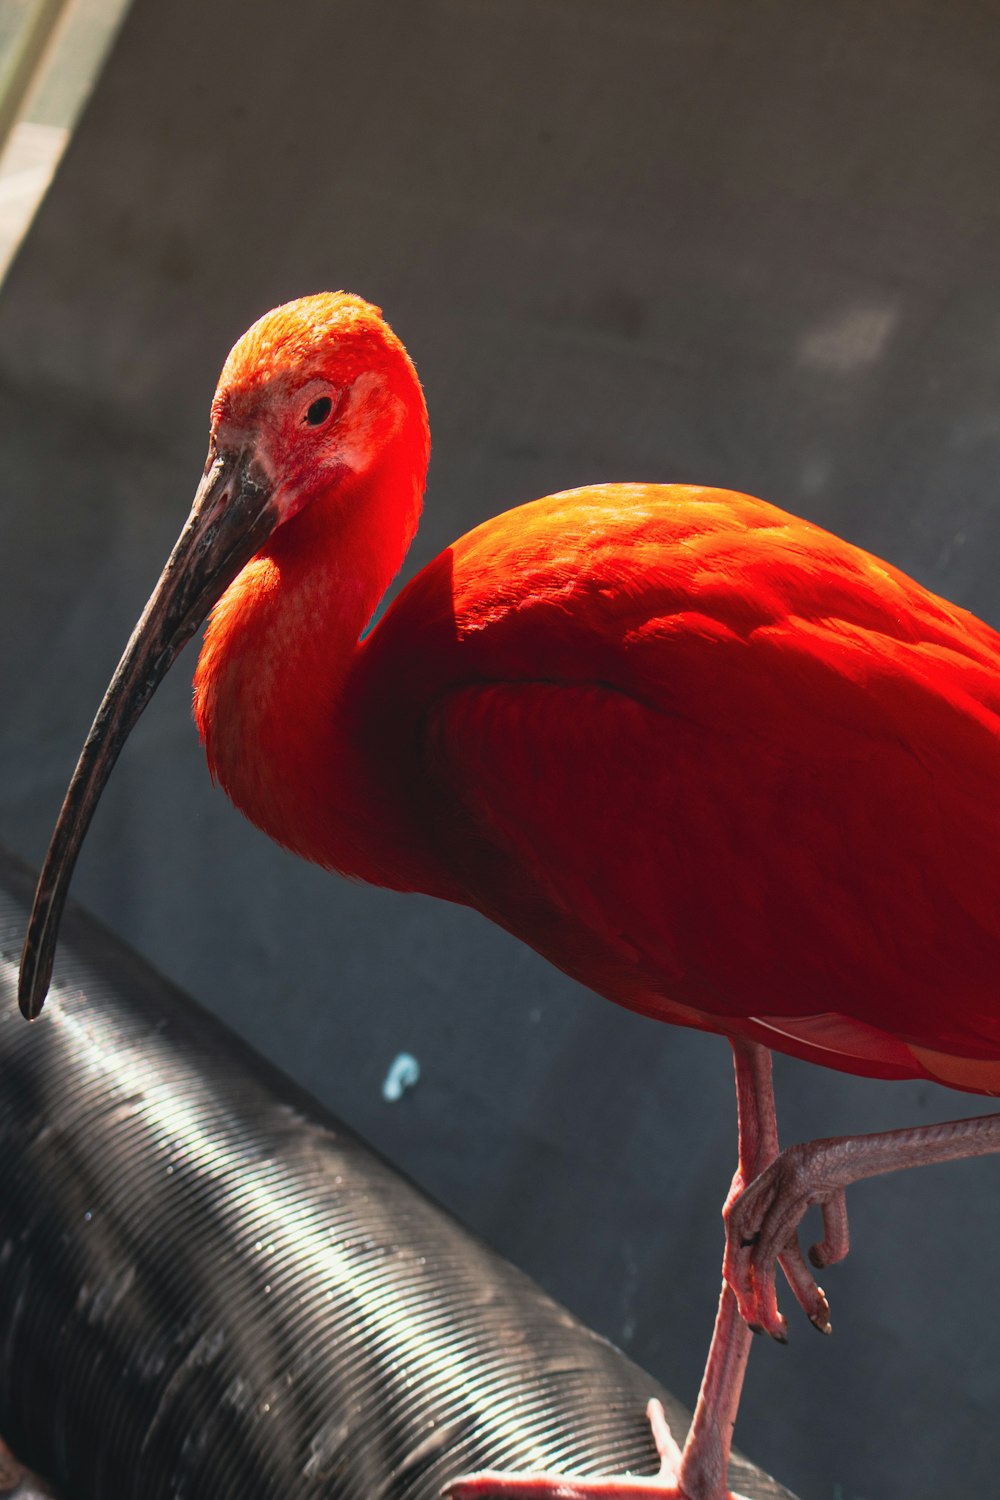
810	1297
761	1315
751	1280
836	1241
760	1234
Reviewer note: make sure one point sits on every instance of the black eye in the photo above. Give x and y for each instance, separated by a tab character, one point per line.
319	411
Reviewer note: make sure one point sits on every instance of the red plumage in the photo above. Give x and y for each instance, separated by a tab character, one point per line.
720	766
717	764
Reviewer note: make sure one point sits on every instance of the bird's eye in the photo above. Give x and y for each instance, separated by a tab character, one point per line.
319	411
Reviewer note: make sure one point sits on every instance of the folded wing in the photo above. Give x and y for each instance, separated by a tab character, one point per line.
721	766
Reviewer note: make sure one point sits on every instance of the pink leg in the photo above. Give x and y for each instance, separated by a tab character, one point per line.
699	1471
705	1459
761	1224
489	1486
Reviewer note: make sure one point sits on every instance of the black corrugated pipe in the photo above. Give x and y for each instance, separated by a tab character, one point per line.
210	1289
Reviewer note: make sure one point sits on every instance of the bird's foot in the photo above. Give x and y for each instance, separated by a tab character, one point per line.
761	1225
665	1484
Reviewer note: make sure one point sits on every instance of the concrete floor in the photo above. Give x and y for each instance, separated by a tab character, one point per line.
753	246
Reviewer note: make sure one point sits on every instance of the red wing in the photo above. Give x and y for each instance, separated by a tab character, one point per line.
698	751
801	822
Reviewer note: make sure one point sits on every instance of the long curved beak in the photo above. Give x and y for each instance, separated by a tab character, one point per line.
232	516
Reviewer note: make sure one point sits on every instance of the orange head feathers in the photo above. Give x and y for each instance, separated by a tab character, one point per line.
319	386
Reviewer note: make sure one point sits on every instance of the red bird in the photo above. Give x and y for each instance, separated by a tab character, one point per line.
718	765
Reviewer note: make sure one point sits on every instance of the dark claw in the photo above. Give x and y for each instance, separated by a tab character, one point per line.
756	1327
745	1244
815	1255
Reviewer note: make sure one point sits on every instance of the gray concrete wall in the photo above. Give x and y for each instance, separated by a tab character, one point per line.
751	244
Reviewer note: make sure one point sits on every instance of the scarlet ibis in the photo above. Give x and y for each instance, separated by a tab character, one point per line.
722	767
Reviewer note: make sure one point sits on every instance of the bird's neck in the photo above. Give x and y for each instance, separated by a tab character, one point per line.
279	653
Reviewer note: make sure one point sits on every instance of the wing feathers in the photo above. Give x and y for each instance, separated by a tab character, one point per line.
757	766
717	763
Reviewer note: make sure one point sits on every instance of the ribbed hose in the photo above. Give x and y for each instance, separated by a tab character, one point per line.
209	1289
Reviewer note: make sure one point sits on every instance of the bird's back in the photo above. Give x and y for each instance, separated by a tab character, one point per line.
718	764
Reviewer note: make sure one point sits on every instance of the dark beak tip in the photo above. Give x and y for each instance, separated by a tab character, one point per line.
32	986
26	1001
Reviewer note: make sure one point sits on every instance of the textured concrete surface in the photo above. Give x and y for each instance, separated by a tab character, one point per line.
745	245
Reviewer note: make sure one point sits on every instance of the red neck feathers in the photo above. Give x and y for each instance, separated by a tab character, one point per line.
283	641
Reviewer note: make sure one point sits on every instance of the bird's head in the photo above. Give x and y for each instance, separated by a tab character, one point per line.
312	395
308	401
